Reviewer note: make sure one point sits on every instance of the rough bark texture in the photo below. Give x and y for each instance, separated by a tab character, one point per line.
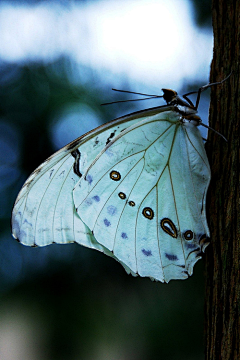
222	308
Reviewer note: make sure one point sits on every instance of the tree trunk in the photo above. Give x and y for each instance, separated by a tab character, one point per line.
222	306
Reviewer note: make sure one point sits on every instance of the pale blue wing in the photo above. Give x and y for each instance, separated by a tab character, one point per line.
44	211
143	197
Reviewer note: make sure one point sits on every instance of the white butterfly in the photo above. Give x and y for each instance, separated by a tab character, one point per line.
134	188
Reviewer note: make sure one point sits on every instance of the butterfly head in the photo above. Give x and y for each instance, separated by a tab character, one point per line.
184	108
170	96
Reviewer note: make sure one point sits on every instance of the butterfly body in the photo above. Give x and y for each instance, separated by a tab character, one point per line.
134	189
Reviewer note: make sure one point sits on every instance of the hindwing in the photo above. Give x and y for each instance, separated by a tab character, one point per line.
143	197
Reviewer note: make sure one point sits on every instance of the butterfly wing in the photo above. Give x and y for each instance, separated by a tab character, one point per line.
143	197
44	211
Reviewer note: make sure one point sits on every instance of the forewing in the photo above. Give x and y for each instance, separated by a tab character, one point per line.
44	211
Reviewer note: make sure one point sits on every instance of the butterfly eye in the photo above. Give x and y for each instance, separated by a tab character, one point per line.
148	213
115	175
122	195
188	235
168	226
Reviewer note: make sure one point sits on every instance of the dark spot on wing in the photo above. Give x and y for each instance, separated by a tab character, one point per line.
76	166
96	141
42	230
124	235
171	257
188	235
27	222
148	213
51	172
106	222
61	175
110	137
131	203
115	175
168	226
122	195
89	179
111	209
96	198
60	229
88	201
147	252
109	152
190	246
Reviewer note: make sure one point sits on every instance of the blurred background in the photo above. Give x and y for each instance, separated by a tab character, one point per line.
58	63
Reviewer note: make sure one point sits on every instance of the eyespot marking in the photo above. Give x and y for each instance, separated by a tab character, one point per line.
171	257
122	195
148	213
147	252
124	235
106	222
131	203
168	226
96	198
188	235
115	175
111	210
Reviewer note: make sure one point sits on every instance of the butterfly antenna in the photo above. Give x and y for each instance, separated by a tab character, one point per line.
203	88
210	128
135	93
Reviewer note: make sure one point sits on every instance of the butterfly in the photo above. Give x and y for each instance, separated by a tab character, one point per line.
134	188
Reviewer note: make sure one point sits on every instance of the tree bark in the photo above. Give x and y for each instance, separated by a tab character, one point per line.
222	305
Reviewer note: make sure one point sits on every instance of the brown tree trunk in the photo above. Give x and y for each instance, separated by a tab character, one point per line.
222	307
